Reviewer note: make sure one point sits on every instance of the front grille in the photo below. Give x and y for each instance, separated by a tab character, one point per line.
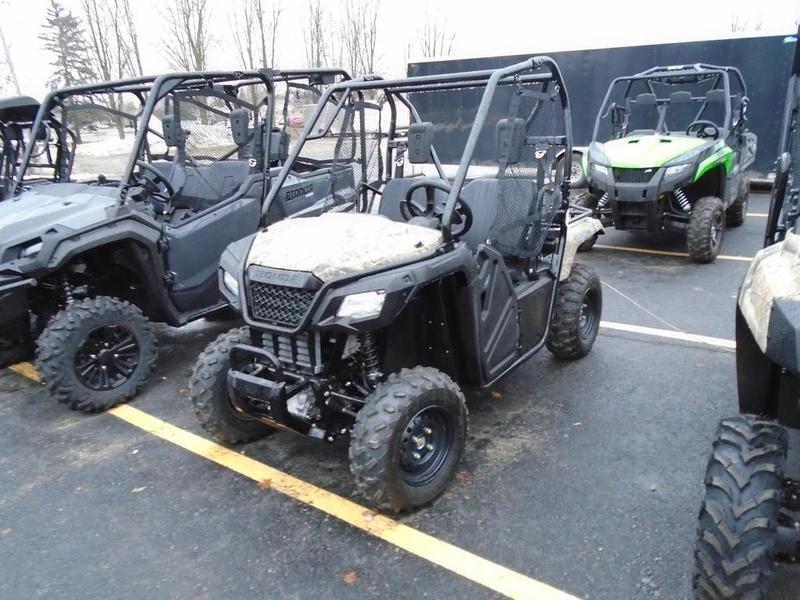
633	175
279	304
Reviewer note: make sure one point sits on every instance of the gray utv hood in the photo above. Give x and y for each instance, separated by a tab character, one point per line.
67	205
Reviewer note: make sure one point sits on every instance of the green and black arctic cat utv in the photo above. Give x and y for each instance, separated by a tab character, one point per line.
670	149
750	516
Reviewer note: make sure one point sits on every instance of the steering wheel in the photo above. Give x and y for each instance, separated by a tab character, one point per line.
704	129
159	186
462	215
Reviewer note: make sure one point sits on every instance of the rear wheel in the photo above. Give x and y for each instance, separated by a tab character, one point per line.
208	391
737	212
577	178
408	439
96	353
737	530
705	230
576	315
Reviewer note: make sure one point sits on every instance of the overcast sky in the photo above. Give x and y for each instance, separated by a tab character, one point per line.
495	27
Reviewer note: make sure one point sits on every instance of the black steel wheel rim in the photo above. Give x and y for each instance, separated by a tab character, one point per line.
716	228
588	314
425	445
107	357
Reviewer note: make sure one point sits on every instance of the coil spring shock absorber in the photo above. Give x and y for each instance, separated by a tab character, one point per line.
680	196
601	204
369	350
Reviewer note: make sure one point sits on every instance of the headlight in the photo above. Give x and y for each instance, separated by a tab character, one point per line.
676	170
363	305
30	251
599	170
230	282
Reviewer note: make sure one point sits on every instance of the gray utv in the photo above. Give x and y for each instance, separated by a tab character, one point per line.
750	516
120	219
368	325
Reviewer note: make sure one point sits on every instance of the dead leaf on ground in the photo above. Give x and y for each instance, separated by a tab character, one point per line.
496	395
265	484
350	577
463	476
183	391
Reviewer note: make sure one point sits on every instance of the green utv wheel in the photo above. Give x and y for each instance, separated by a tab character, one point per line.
737	211
576	315
208	391
737	529
705	230
408	439
96	353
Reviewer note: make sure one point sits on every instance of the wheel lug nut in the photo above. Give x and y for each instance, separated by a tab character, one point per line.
427	431
416	455
429	447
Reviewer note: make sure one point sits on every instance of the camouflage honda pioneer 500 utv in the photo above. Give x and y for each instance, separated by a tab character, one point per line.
121	219
368	325
671	149
750	516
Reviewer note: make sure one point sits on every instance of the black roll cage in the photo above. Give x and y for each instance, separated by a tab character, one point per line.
679	74
157	87
395	91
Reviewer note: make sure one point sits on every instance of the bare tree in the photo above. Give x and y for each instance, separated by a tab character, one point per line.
435	38
315	35
740	23
359	35
131	36
188	37
255	29
11	76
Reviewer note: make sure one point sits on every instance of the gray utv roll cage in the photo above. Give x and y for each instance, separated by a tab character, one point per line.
396	91
151	89
692	73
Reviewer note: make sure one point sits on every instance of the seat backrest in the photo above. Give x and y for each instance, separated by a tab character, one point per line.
206	186
480	195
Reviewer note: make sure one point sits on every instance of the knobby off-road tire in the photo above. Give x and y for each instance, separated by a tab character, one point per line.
208	391
736	534
419	410
576	315
113	331
705	230
737	211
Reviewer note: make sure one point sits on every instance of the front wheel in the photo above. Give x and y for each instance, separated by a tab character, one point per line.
705	230
408	439
737	529
576	315
96	353
208	391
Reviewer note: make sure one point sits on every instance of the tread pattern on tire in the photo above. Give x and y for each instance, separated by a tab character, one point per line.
212	363
698	240
369	446
738	517
736	213
564	338
54	350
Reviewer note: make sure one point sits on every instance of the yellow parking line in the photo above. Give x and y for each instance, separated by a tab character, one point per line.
674	335
491	575
761	215
668	253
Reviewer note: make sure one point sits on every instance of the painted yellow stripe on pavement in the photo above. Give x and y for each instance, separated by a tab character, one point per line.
480	570
457	560
669	253
674	335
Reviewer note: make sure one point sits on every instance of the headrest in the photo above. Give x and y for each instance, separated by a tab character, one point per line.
682	97
646	99
240	126
715	96
171	128
510	137
420	141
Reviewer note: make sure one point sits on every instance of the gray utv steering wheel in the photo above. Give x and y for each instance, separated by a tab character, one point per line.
163	189
704	129
462	215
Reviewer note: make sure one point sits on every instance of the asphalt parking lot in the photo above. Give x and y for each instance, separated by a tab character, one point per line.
584	476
